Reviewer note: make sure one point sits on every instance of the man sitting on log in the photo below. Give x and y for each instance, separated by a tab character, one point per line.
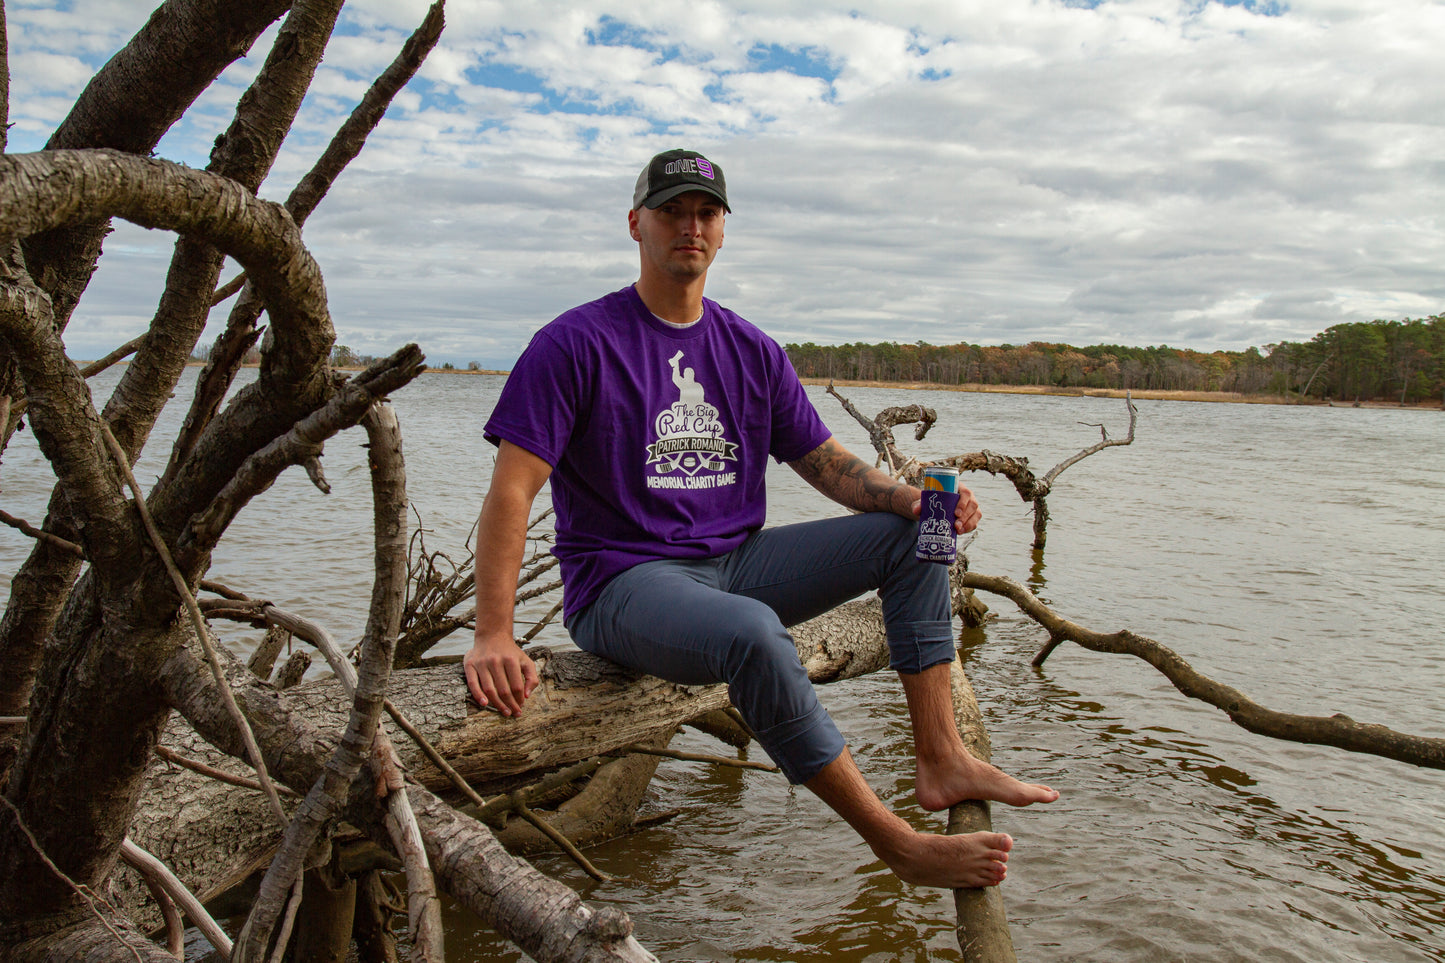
653	411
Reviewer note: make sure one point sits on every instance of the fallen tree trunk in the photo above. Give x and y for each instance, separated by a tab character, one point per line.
215	835
545	918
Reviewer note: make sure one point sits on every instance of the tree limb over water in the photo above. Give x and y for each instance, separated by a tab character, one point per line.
1337	730
1031	488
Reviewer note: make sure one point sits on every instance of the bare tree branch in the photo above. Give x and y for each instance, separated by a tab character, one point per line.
154	869
129	104
98	907
65	424
328	794
1047	482
211	772
346	408
880	431
20	524
1337	730
124	351
241	332
244	153
39	192
198	622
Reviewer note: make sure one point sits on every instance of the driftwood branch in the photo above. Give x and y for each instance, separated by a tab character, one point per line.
983	934
241	331
546	919
10	414
378	649
1031	488
349	140
97	906
880	431
696	757
1104	442
153	869
175	925
1337	730
304	440
198	622
328	794
519	806
21	525
211	772
428	618
124	351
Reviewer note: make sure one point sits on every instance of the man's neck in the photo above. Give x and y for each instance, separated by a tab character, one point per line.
678	303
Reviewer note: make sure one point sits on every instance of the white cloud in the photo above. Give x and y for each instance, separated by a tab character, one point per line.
1145	171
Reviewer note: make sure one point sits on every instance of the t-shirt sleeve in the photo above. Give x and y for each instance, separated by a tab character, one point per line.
797	428
538	407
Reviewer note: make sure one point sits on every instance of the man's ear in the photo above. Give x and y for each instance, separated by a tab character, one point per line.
632	225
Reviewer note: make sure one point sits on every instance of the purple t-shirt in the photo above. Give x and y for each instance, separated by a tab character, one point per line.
658	437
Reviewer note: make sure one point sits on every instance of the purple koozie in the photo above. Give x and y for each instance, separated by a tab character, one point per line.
936	541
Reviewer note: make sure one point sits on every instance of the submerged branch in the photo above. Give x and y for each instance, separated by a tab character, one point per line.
1337	730
695	757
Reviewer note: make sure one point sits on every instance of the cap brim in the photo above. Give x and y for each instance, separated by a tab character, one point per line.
668	193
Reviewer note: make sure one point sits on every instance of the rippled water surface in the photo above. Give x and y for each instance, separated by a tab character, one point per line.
1294	553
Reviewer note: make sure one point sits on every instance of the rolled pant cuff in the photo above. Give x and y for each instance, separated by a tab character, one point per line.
919	645
802	747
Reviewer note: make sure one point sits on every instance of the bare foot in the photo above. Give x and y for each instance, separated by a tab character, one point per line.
939	785
951	862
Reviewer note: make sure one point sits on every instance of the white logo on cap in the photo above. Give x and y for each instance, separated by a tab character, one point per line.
689	165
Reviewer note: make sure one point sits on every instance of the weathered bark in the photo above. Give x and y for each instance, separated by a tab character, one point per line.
91	941
324	801
546	919
241	332
244	153
214	835
129	104
604	809
41	191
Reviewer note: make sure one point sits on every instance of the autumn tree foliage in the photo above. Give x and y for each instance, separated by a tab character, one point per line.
1402	361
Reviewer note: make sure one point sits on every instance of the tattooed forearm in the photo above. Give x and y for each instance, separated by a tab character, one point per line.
850	481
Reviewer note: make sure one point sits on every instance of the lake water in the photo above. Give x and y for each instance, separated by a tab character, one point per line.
1294	553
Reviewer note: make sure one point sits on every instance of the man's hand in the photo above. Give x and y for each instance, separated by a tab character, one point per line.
965	517
500	674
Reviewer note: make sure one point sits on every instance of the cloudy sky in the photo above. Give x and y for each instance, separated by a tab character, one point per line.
1199	174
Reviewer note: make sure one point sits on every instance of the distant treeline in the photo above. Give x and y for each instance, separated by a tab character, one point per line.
1400	360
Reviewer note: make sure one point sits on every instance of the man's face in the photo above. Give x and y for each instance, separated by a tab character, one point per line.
681	237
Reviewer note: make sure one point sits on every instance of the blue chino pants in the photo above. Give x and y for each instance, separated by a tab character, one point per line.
724	619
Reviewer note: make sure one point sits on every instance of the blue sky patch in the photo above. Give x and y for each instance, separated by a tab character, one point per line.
804	62
507	77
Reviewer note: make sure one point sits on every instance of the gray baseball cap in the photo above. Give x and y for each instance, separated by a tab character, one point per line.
676	172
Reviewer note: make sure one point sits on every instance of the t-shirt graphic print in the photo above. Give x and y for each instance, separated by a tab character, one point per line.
691	451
